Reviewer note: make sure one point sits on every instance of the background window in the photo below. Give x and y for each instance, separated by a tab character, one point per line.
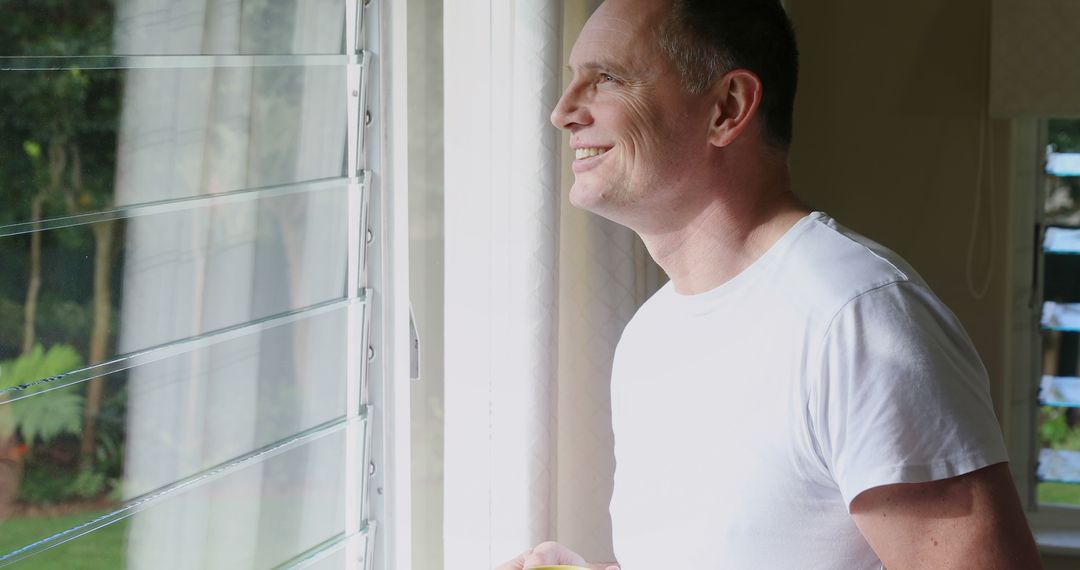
1058	471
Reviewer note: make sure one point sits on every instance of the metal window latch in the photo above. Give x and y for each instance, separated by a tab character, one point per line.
414	347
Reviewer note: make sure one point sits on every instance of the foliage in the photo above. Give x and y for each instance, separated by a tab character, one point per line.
47	111
1064	134
41	419
51	479
89	483
64	321
1059	493
11	318
111	433
45	485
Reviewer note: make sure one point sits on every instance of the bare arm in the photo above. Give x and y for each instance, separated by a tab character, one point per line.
974	520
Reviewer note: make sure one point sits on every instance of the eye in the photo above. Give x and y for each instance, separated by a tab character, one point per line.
607	78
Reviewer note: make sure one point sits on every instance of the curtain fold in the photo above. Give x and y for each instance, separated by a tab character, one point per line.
537	294
501	216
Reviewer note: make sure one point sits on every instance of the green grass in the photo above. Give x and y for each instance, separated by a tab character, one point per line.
1059	493
103	548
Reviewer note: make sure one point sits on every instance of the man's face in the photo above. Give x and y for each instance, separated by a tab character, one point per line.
635	130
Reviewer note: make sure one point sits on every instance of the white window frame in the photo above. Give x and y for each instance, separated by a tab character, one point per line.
1056	528
390	498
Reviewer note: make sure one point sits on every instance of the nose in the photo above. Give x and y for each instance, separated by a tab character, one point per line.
571	112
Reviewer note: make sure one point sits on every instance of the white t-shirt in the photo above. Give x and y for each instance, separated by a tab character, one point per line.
747	418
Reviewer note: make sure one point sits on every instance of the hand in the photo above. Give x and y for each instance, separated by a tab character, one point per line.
546	553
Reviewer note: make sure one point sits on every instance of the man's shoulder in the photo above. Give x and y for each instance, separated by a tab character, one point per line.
829	265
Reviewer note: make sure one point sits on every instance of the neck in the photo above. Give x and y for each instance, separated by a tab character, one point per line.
726	230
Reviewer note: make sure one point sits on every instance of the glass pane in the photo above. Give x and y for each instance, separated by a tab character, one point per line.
1061	316
1060	391
126	285
97	27
175	335
1059	465
87	140
332	561
1062	240
1061	184
164	420
1059	394
258	516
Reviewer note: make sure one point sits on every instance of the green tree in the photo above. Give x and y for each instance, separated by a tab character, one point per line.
67	123
39	420
1064	134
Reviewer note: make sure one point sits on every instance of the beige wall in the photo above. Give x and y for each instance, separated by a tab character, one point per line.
887	137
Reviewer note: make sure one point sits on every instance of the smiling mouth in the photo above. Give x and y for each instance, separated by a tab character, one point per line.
583	153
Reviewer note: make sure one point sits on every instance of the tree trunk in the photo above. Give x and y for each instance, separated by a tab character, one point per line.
33	286
104	237
57	164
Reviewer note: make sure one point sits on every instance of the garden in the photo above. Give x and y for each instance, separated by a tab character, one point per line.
61	451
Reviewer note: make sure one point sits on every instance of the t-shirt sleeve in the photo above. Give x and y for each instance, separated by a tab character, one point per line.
902	396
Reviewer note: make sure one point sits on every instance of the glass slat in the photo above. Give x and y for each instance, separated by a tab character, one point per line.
242	393
334	560
1061	316
330	554
1062	241
175	27
333	555
138	136
256	513
1059	465
1060	391
172	419
92	62
1063	164
34	387
181	274
165	206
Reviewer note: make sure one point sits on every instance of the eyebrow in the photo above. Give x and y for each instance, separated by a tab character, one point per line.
602	65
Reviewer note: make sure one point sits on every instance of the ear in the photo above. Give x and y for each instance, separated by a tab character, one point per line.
735	102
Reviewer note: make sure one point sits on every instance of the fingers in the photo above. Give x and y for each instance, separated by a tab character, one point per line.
552	553
543	554
516	563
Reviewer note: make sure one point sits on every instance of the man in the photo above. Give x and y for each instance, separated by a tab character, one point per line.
795	397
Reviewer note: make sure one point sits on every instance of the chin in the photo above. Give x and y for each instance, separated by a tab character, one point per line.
602	202
586	198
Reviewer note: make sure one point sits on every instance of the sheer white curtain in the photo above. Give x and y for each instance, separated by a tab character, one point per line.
537	294
501	213
199	131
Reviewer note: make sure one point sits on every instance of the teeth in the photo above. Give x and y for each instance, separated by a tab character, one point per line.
588	152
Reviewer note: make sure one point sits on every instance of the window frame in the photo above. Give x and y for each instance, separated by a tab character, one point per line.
1056	527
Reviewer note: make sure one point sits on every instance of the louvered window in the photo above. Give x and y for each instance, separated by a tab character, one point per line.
187	289
1058	461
